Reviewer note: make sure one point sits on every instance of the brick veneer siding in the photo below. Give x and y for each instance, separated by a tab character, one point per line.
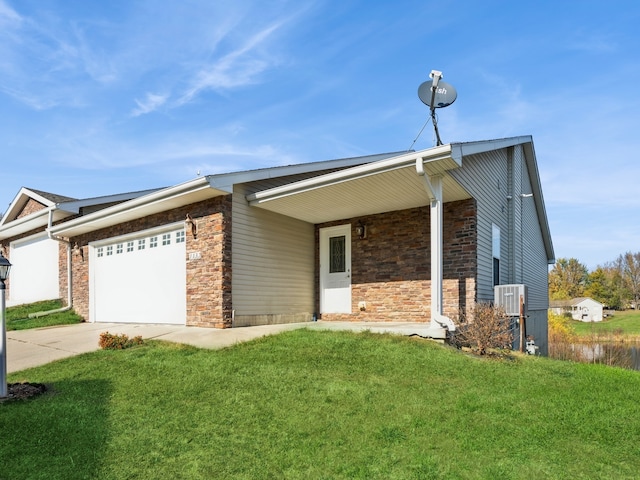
30	207
208	278
391	267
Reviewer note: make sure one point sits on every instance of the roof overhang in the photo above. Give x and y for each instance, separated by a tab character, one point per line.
34	221
158	201
382	186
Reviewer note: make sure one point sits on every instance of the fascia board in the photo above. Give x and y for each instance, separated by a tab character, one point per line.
20	201
227	180
74	206
133	209
353	173
532	168
36	220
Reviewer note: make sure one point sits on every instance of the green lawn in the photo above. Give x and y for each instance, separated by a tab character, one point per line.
627	322
321	405
18	316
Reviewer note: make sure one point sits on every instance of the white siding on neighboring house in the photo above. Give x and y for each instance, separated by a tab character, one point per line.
273	263
34	275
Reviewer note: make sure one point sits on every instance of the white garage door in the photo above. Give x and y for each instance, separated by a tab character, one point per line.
140	279
34	274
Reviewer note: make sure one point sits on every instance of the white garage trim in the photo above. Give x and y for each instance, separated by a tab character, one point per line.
139	277
34	276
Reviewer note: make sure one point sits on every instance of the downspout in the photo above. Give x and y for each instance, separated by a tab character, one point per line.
69	276
433	186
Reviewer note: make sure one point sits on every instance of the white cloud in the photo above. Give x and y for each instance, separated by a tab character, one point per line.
237	68
151	103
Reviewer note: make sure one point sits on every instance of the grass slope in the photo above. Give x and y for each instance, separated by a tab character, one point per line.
18	316
321	405
627	322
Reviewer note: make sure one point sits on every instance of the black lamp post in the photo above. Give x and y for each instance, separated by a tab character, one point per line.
5	266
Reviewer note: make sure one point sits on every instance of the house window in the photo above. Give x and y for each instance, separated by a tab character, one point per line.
153	242
129	246
337	254
119	248
180	236
166	239
109	250
100	252
141	243
495	248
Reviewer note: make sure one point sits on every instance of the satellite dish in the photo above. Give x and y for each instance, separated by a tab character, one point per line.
436	94
445	94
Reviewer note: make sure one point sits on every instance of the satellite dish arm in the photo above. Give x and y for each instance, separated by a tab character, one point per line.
435	76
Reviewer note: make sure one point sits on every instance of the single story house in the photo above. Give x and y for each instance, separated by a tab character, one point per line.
411	236
25	239
584	309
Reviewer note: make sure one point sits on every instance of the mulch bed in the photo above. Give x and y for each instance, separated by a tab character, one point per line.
23	391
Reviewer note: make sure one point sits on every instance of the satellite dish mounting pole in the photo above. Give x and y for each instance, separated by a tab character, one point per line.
435	77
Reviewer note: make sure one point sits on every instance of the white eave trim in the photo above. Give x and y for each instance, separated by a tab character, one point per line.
39	219
155	202
442	152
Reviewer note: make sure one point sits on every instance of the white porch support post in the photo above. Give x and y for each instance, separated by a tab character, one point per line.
433	186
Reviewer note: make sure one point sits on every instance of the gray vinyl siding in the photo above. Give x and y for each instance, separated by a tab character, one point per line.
491	178
484	176
273	263
534	261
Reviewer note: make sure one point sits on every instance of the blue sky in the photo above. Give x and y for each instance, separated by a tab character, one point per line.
107	97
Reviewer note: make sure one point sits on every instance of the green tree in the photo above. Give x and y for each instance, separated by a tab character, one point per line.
604	285
567	279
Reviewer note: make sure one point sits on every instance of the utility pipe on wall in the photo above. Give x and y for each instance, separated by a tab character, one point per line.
69	276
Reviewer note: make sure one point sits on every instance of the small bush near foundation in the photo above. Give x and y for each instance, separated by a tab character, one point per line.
109	341
487	328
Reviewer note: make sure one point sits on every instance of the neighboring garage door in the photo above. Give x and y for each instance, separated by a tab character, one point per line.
34	274
140	278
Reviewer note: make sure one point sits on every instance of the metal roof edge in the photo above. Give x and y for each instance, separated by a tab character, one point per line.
227	180
538	198
75	205
136	203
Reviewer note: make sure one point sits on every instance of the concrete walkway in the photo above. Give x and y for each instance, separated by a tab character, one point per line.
31	348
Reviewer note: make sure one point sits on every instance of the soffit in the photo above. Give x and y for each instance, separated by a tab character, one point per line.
334	198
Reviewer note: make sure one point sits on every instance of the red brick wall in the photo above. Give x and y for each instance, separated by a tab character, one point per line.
391	267
208	278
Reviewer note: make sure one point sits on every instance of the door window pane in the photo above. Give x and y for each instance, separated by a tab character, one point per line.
337	254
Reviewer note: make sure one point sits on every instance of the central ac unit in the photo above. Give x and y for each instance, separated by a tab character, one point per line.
508	297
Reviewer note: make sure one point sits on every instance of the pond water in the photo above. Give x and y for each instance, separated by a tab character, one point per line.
613	354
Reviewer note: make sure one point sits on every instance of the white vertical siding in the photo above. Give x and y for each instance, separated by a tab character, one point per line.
273	263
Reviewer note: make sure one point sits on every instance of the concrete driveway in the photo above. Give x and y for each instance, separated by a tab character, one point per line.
31	348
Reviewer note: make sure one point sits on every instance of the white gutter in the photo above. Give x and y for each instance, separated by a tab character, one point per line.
69	276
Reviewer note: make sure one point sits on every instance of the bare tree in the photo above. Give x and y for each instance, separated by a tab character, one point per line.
630	270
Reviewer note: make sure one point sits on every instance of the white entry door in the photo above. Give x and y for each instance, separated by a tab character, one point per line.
335	269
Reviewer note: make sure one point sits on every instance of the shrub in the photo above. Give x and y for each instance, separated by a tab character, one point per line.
561	337
109	341
488	327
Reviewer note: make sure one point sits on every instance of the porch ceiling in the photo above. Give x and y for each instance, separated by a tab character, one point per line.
366	190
